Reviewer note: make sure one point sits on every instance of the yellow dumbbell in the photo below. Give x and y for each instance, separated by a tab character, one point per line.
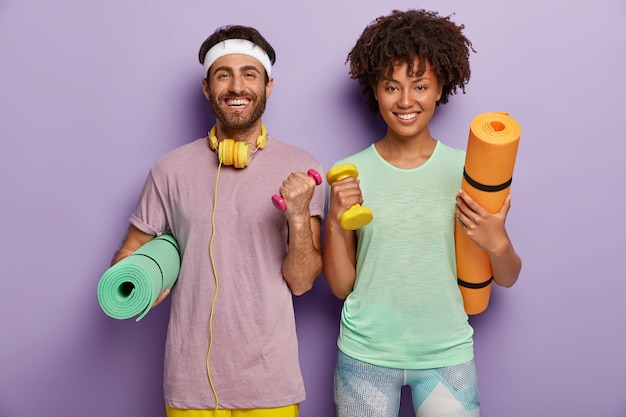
356	216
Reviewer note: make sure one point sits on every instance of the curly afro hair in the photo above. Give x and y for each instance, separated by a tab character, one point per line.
402	36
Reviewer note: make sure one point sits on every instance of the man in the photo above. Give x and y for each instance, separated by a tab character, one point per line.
231	345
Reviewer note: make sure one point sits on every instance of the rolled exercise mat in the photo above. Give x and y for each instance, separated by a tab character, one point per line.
131	286
489	161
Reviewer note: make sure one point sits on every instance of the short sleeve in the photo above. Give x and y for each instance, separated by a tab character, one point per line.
150	214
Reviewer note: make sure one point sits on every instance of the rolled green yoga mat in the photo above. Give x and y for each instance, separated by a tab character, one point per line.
131	286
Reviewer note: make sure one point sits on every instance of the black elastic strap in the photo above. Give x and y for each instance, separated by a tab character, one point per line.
156	263
473	286
170	242
483	187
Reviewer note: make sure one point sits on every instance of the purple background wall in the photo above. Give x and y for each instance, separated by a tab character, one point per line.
91	93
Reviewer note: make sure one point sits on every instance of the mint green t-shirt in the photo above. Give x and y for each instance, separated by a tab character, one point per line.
406	310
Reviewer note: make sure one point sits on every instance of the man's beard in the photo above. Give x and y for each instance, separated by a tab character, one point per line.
238	120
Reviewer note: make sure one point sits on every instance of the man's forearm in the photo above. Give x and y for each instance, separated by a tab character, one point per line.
303	263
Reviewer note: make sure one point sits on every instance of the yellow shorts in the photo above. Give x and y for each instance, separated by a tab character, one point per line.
287	411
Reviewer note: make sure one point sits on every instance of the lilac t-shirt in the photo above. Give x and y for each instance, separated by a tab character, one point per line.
254	354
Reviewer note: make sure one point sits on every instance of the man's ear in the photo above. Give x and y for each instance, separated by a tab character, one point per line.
205	89
269	87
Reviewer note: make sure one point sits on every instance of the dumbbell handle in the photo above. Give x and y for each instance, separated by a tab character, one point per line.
356	216
279	201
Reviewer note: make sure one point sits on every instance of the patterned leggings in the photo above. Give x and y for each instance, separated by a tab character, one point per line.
365	390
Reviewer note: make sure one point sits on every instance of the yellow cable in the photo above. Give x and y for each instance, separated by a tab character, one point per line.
208	366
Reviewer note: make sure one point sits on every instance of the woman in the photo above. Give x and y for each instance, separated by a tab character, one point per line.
403	321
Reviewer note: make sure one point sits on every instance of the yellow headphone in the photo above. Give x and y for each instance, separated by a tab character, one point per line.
232	152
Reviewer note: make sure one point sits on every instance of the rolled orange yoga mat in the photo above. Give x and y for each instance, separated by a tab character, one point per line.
489	162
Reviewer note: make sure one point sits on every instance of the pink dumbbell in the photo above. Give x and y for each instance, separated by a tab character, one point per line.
279	201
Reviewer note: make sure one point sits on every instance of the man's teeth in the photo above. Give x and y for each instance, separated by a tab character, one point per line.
236	103
407	116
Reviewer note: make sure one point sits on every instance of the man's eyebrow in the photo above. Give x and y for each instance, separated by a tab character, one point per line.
242	69
223	68
249	67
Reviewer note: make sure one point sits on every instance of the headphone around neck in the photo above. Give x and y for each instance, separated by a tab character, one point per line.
236	153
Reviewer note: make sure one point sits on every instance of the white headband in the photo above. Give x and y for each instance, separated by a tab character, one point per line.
236	46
